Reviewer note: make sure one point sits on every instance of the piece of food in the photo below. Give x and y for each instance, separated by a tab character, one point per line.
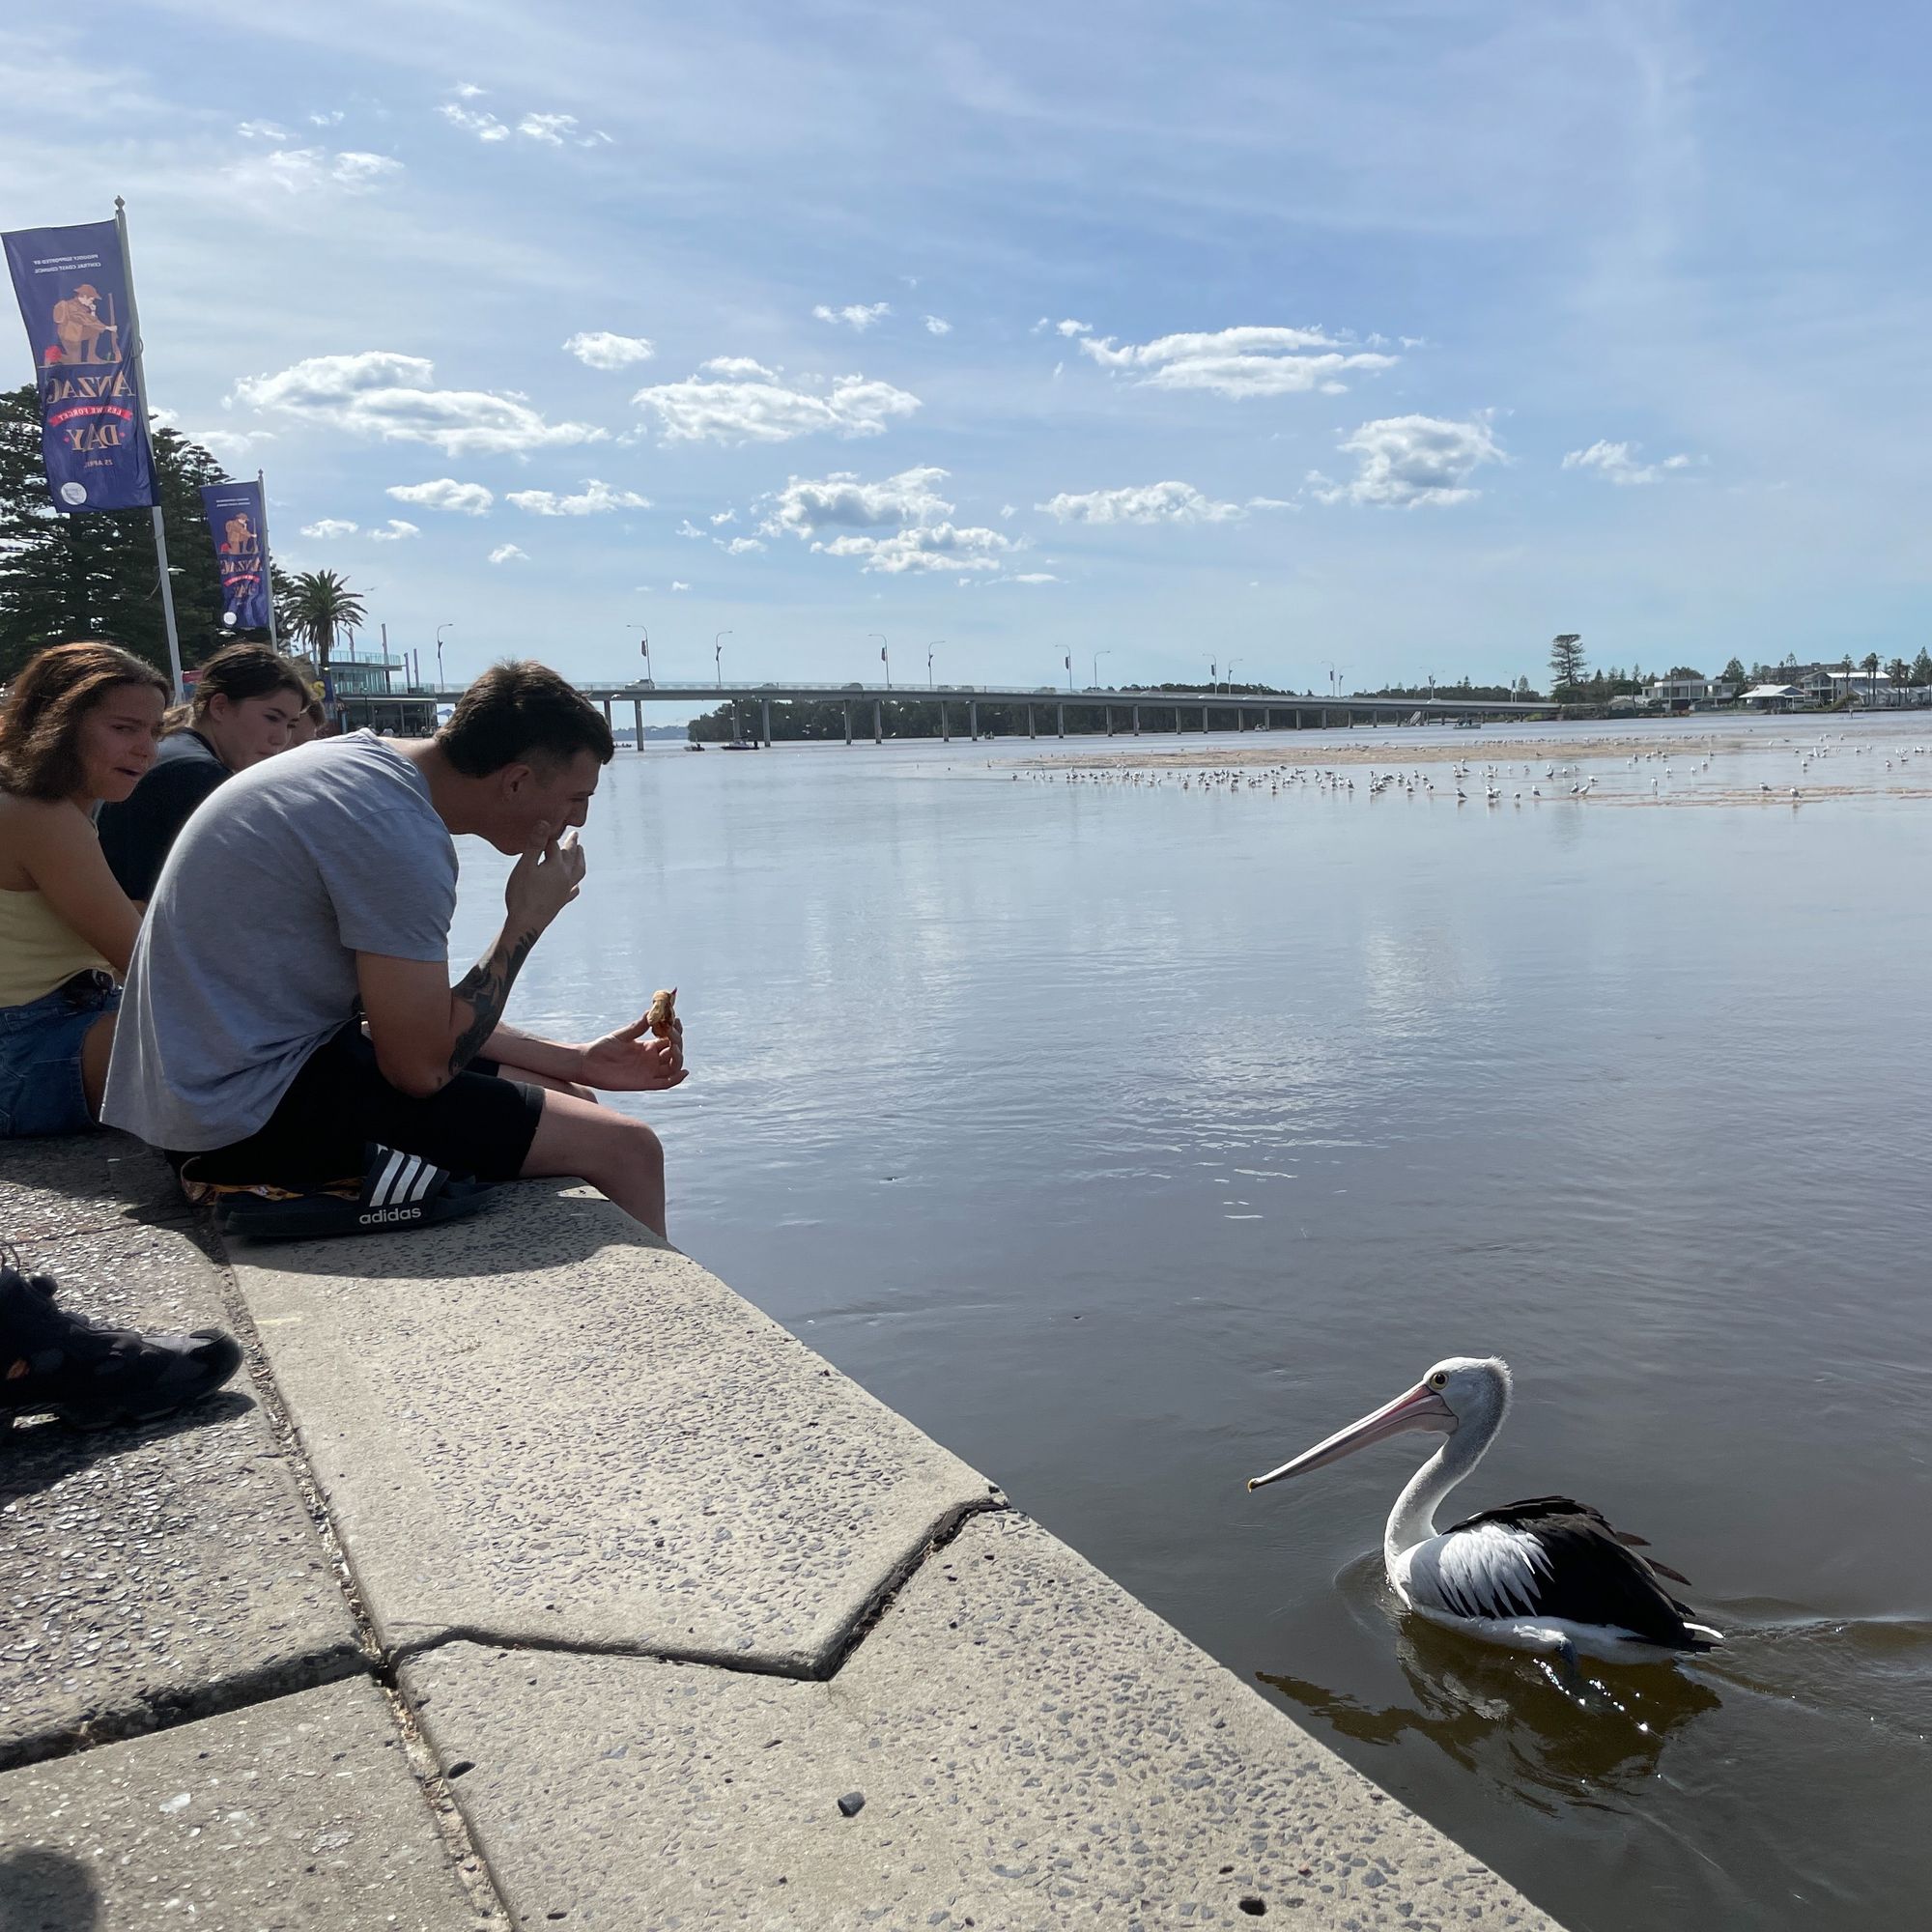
661	1017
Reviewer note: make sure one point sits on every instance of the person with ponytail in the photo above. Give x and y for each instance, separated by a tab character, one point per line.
245	704
80	728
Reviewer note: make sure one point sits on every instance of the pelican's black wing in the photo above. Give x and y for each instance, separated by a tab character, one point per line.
1552	1557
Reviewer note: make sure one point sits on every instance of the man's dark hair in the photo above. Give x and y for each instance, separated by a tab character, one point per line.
522	714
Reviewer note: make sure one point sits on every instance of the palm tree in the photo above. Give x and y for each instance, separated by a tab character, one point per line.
322	604
1868	663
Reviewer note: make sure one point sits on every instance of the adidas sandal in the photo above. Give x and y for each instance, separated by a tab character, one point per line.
395	1190
92	1376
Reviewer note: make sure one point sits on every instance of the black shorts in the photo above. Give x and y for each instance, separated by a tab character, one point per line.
480	1123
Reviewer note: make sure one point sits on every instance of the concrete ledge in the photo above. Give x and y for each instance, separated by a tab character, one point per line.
159	1571
541	1426
69	1185
1034	1748
299	1812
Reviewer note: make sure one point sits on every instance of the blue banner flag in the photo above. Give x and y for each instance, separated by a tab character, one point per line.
234	513
72	286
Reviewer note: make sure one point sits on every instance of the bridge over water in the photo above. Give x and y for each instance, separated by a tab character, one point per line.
960	706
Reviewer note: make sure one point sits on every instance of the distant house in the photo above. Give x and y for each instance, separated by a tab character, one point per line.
1691	693
1776	697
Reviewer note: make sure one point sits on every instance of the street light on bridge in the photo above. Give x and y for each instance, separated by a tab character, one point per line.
440	630
930	649
885	655
718	655
1098	656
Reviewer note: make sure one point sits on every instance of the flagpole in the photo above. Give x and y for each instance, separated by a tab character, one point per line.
154	465
267	568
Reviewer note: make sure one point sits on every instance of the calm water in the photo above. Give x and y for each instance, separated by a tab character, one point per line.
1131	1138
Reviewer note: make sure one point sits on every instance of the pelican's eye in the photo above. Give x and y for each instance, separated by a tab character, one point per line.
1438	1380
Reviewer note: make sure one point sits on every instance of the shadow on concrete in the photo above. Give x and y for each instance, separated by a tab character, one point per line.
44	1890
531	1225
40	1455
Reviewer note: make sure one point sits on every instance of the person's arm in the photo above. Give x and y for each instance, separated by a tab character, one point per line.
62	859
425	1030
624	1061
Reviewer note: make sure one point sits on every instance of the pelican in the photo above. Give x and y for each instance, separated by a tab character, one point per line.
1549	1576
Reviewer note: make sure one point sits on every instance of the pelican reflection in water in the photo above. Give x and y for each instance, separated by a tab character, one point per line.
1549	1576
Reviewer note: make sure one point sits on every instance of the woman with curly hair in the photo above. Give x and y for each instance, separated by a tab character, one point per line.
81	726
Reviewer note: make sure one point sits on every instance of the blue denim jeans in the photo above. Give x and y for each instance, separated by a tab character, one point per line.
41	1091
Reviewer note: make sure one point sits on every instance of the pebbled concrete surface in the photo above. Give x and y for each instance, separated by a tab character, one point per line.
157	1570
1033	1747
543	1426
296	1814
68	1185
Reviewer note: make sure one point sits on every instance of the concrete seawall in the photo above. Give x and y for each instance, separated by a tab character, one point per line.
544	1580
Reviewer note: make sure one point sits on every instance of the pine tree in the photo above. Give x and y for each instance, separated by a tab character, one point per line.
1566	660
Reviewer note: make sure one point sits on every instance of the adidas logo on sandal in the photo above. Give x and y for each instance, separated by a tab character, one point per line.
382	1218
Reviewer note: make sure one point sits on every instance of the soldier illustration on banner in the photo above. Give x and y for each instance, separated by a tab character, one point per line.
236	522
72	290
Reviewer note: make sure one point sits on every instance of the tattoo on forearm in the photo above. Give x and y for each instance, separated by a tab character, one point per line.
487	987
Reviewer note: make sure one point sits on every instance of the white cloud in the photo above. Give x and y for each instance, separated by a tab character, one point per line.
738	546
395	531
1010	510
931	547
467	90
1406	460
594	499
550	129
1070	327
937	324
1167	503
1253	361
330	527
314	170
330	120
359	172
474	120
1033	577
676	585
925	540
687	528
1618	462
382	394
599	348
509	552
724	517
469	499
859	316
1271	503
230	444
806	505
261	130
749	402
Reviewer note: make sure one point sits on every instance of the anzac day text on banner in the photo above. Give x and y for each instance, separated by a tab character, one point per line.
234	513
73	286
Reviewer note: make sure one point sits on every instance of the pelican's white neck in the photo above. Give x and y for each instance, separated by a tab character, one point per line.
1413	1521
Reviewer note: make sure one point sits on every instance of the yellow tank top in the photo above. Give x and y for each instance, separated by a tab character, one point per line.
39	950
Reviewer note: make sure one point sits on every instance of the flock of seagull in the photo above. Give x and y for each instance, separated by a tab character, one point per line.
1493	783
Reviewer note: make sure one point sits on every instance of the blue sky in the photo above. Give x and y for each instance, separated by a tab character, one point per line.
1387	337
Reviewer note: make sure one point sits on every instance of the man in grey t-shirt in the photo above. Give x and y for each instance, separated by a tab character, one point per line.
319	885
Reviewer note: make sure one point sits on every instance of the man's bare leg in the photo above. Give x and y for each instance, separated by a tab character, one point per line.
620	1157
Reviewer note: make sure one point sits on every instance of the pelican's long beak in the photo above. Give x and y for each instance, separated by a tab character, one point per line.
1420	1409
